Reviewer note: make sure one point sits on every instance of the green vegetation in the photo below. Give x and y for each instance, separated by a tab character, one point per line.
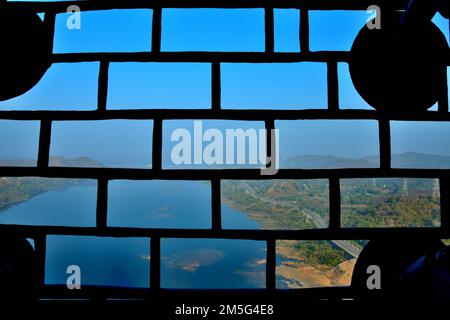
279	204
304	204
320	253
292	204
288	205
14	190
390	203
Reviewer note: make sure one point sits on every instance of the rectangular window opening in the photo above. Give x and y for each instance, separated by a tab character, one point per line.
195	264
42	201
19	143
390	202
274	85
100	261
159	86
328	144
159	204
106	143
275	204
420	144
119	30
213	144
316	263
212	30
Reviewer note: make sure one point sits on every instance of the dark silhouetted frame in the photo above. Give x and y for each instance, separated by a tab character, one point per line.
104	175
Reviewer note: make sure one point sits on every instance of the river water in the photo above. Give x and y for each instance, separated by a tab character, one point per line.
185	263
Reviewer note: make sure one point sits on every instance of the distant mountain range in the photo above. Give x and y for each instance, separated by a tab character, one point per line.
401	160
54	162
77	162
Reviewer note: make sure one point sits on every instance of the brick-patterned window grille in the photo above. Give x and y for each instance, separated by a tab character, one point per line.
104	175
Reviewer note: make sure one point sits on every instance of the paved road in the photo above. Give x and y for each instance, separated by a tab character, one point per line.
347	246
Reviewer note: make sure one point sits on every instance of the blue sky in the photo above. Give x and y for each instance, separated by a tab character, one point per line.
73	86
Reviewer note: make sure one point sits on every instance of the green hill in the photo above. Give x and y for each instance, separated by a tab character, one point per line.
14	190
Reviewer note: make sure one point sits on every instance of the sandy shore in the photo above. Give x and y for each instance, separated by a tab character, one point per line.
296	274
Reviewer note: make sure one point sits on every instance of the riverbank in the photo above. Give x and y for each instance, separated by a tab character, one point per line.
296	273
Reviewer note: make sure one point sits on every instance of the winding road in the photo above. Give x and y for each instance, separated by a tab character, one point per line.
347	246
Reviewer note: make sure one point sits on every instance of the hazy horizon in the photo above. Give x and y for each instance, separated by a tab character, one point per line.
283	158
